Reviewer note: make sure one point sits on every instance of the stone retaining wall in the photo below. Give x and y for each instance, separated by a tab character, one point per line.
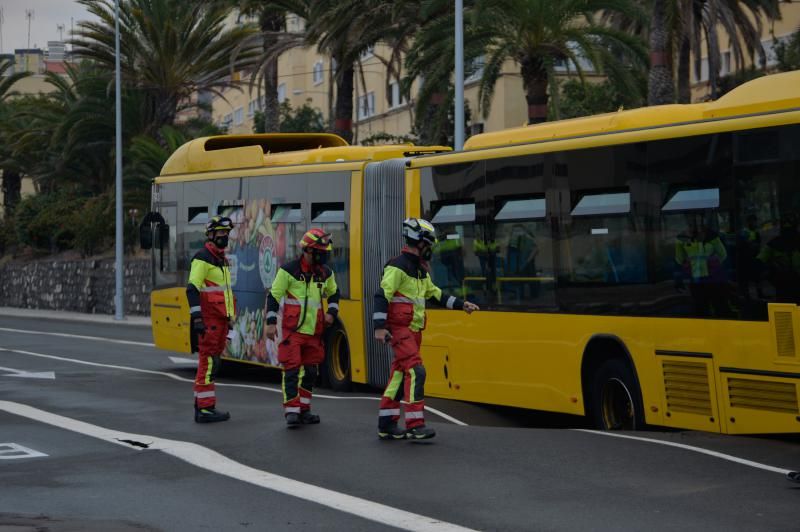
75	285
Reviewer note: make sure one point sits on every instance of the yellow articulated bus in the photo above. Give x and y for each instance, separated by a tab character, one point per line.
635	267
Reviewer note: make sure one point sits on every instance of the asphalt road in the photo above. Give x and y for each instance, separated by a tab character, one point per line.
502	469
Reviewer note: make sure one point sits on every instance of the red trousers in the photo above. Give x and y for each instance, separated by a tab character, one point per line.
210	345
300	355
406	381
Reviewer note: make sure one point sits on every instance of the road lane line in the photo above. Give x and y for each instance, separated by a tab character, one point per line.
700	450
79	336
215	462
229	385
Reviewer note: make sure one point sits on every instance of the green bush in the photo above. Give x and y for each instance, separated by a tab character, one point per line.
47	222
94	225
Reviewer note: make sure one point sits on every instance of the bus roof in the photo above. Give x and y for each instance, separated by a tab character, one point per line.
226	152
777	92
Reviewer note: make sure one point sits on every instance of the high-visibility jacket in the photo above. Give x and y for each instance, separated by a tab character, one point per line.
405	286
484	247
782	254
302	290
699	254
209	290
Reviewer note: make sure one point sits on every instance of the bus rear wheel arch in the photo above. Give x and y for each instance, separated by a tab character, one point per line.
336	370
611	389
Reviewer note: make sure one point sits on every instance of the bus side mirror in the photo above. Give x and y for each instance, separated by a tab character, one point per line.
145	236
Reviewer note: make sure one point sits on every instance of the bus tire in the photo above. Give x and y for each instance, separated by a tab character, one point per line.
336	372
616	400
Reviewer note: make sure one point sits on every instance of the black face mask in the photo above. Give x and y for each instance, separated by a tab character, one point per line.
221	241
319	257
426	252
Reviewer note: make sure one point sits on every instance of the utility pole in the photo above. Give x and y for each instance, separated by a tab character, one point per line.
1	29
29	14
458	137
119	310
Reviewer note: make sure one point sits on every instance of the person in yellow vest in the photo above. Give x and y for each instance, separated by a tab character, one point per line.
701	254
399	319
302	284
212	307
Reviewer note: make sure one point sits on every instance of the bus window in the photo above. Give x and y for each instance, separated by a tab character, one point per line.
520	238
331	218
455	227
604	245
198	215
287	219
768	242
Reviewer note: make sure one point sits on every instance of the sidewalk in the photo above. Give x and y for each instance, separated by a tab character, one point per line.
138	321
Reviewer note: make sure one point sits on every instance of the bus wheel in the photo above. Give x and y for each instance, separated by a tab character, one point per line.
336	369
616	399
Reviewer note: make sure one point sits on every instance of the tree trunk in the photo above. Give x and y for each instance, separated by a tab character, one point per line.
684	71
713	50
12	186
660	86
343	123
535	82
271	21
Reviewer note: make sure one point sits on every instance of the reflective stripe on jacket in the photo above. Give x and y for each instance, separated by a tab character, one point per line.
302	292
209	290
405	286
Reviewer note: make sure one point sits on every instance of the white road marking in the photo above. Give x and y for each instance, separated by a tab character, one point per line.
692	448
435	411
210	460
229	385
28	374
12	451
79	336
184	360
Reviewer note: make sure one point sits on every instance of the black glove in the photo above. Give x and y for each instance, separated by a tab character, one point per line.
198	325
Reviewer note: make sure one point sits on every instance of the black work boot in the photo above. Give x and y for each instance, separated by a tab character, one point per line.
293	419
307	418
391	432
420	433
210	415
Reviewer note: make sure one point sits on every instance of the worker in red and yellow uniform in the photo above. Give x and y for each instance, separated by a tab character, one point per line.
302	284
399	318
212	308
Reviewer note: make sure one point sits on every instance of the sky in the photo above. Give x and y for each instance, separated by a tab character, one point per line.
47	15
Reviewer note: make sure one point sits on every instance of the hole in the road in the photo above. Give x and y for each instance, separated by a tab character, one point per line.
135	443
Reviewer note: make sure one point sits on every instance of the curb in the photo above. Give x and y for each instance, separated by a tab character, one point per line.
134	321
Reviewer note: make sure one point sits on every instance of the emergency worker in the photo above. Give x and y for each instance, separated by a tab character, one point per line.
212	307
399	319
302	284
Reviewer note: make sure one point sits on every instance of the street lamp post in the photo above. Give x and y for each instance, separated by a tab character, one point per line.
119	310
459	104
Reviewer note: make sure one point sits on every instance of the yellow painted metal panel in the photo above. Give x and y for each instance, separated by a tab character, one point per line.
355	233
612	138
169	312
438	370
352	315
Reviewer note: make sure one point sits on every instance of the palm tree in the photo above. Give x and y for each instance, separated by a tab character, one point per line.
12	178
169	50
540	34
742	21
